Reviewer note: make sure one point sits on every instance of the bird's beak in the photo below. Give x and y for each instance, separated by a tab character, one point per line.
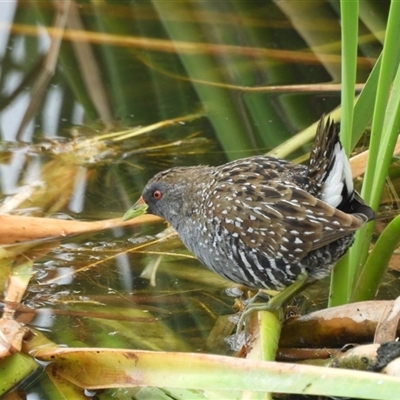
139	208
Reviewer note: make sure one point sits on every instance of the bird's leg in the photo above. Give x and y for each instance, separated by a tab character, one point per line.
275	303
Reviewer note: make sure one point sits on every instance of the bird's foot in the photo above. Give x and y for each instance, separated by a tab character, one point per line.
274	305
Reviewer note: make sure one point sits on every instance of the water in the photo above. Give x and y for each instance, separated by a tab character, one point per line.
120	66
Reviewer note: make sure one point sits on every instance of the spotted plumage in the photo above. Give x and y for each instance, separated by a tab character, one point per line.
262	221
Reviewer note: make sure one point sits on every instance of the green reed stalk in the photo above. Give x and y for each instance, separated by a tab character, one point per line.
384	132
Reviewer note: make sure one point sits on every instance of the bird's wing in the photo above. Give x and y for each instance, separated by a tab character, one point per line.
281	219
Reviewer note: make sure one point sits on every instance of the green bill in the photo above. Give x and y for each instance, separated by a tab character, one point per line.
135	211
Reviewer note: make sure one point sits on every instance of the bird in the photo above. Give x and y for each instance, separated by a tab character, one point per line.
261	221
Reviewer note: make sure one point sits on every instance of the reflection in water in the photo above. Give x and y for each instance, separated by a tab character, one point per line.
198	69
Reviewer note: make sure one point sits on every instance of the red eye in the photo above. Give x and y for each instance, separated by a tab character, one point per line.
157	194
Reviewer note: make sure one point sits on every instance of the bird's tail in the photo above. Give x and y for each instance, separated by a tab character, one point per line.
329	169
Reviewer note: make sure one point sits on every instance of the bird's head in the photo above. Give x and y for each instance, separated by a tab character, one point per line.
170	194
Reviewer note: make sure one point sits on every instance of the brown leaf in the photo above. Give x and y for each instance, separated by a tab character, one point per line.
17	229
335	327
11	336
386	331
